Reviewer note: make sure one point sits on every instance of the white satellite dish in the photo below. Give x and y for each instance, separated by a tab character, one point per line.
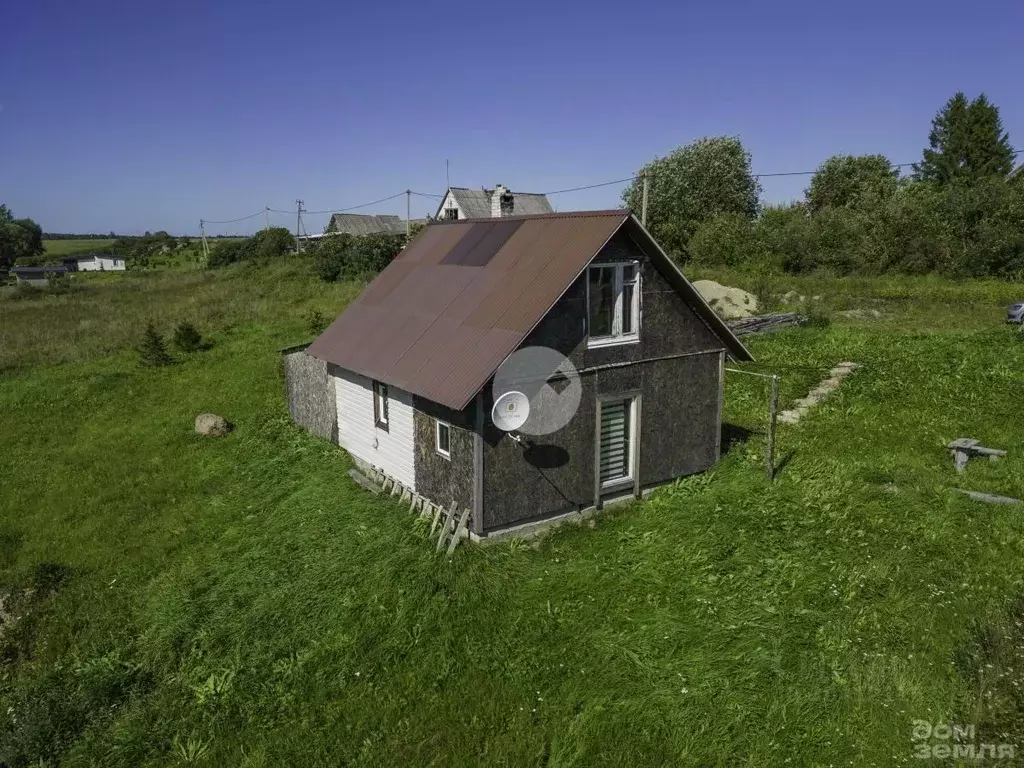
510	411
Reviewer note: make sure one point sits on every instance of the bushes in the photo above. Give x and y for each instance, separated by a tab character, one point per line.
187	338
265	244
341	257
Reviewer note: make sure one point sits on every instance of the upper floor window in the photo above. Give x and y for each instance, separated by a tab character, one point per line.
380	404
451	214
613	302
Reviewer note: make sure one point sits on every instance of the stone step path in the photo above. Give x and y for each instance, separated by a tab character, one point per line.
819	393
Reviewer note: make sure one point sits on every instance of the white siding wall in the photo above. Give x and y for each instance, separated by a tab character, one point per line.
393	451
95	264
450	202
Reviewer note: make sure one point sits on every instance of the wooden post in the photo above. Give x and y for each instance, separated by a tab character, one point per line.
769	454
408	209
459	530
448	519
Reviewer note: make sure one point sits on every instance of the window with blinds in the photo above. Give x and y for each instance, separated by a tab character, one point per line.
616	440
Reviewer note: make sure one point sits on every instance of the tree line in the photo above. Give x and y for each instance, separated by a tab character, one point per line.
959	212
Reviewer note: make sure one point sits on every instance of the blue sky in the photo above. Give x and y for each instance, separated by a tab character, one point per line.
130	116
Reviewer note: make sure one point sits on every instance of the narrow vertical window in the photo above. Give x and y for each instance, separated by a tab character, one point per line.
616	441
380	405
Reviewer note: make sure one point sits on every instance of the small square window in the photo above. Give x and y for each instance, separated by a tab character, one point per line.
451	214
443	438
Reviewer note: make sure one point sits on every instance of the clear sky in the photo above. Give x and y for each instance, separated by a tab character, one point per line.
136	115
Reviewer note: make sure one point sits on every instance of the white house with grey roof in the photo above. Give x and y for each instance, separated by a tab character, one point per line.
464	203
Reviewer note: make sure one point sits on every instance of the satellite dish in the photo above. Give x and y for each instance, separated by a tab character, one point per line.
510	411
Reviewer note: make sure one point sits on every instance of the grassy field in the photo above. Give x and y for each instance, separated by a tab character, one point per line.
241	602
69	247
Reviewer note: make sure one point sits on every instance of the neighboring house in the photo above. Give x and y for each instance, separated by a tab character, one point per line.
462	203
94	262
38	276
402	379
365	224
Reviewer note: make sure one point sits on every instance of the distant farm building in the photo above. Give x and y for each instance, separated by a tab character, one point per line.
38	276
94	262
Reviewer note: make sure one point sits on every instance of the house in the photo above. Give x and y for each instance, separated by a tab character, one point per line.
94	262
38	276
365	224
462	203
404	378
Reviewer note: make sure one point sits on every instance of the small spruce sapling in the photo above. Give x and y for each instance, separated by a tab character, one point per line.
152	350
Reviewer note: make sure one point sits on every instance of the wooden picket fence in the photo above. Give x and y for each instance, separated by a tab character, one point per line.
447	527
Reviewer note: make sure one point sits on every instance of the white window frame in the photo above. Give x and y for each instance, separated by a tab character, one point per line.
380	404
617	336
634	448
437	438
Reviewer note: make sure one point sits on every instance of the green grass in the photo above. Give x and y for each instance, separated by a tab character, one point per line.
69	247
239	601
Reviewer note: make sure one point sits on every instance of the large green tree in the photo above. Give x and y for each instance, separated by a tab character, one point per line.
966	142
852	181
19	238
693	184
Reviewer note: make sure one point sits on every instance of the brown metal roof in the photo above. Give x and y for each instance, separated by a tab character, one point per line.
452	306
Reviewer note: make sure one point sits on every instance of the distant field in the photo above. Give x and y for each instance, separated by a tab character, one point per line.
68	247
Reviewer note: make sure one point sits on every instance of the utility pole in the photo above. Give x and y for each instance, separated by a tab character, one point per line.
408	218
298	226
266	216
643	205
206	246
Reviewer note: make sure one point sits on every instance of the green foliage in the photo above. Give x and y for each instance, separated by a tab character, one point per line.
726	240
852	181
692	185
315	321
343	256
187	337
19	238
152	350
265	244
966	143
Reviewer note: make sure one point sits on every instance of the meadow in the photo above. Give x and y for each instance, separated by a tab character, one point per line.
240	601
57	248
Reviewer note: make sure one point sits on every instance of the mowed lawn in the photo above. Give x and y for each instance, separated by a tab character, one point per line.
68	247
240	601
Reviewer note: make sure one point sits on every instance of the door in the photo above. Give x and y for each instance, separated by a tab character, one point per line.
617	450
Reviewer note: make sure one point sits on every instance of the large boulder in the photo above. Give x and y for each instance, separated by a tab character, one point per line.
729	303
212	425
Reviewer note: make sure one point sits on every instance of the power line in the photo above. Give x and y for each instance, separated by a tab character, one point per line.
350	208
591	186
232	221
428	194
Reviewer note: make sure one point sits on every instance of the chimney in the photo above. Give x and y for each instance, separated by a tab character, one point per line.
502	202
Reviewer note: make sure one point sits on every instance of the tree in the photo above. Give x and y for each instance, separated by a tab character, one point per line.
152	350
966	142
727	240
693	184
853	181
19	238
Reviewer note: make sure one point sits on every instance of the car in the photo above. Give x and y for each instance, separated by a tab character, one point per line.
1015	314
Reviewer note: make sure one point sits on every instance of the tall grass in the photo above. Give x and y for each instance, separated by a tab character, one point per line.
240	601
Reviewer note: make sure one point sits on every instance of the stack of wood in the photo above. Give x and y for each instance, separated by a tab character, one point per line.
765	323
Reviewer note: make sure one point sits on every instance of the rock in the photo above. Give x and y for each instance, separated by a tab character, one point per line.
212	425
730	303
792	297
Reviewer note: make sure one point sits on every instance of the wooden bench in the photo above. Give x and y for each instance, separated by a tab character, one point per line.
963	448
